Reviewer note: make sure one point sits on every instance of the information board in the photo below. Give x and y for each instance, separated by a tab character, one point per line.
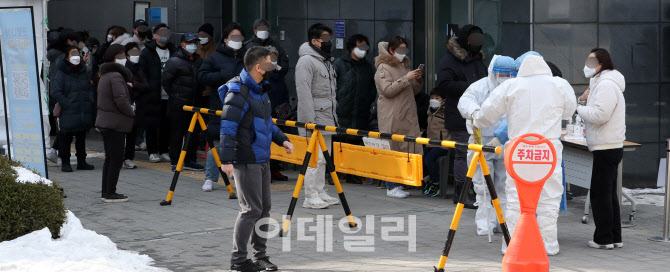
20	88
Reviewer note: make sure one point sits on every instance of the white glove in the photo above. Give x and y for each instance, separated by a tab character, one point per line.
494	142
134	107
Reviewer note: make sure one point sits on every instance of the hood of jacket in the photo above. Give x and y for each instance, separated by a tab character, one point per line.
122	38
53	54
110	67
534	65
613	75
385	57
492	81
306	50
459	52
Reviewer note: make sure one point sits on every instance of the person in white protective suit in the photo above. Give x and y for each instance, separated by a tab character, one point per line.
499	71
535	102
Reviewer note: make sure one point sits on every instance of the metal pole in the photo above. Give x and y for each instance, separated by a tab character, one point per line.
666	218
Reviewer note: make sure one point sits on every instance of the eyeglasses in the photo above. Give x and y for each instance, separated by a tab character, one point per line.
591	62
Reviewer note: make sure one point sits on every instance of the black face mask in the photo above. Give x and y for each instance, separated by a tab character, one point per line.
474	49
326	46
267	75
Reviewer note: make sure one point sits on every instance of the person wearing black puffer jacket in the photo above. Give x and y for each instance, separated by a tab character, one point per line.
153	105
180	81
221	66
461	66
72	89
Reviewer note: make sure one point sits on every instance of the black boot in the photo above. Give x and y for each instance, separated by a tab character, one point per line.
82	165
66	167
470	200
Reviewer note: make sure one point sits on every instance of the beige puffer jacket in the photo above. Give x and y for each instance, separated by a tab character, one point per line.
396	107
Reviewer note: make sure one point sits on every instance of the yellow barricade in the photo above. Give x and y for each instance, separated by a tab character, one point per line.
378	164
299	151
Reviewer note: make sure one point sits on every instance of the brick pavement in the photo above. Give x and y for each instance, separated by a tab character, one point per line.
194	234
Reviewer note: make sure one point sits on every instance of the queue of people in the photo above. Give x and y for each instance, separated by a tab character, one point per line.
141	80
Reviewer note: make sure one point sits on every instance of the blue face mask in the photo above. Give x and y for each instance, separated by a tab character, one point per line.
191	48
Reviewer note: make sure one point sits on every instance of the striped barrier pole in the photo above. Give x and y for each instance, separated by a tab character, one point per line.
330	166
215	154
301	178
180	163
494	198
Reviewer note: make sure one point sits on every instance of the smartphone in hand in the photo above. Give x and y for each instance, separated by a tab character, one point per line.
420	67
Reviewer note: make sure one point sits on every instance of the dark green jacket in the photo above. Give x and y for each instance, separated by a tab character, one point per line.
355	92
72	89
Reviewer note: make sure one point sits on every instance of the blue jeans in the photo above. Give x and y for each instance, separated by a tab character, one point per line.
212	169
432	162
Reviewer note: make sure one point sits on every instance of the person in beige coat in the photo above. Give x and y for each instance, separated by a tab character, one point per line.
397	85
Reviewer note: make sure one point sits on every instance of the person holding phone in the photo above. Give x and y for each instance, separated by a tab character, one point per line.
396	108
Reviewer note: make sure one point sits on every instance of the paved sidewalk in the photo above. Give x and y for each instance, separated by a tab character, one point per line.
195	233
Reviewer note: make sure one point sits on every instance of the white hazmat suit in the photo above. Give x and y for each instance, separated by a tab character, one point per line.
535	102
474	96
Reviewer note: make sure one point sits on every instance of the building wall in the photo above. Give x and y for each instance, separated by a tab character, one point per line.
97	15
379	20
637	34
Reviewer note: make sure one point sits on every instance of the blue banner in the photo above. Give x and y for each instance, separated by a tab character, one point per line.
21	88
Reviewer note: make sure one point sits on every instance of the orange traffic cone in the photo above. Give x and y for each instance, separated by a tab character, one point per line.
535	160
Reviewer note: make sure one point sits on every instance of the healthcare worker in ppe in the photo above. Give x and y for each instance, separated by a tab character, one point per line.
535	102
499	71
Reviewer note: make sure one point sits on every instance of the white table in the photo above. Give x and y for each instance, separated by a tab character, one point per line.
578	162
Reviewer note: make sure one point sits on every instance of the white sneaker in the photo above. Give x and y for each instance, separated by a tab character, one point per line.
207	187
128	164
328	199
59	162
593	244
396	193
155	158
165	157
618	245
314	203
52	156
138	148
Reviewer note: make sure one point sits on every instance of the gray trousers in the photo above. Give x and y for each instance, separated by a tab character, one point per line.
253	193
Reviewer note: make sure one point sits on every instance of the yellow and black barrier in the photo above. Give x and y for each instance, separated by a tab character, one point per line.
478	159
197	119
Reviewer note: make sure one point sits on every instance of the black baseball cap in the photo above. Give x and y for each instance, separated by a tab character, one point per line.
139	23
189	36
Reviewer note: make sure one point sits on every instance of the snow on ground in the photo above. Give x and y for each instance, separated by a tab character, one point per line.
646	196
25	175
78	249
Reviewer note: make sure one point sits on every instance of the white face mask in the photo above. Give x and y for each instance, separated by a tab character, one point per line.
400	57
263	35
277	67
75	60
234	45
434	103
204	40
589	72
359	53
109	37
121	61
134	59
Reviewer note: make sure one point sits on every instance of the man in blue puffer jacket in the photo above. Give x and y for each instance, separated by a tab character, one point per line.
247	131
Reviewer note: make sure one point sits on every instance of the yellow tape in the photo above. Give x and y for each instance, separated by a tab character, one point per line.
351	219
169	196
499	212
457	216
230	189
397	137
443	261
473	165
180	163
287	224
